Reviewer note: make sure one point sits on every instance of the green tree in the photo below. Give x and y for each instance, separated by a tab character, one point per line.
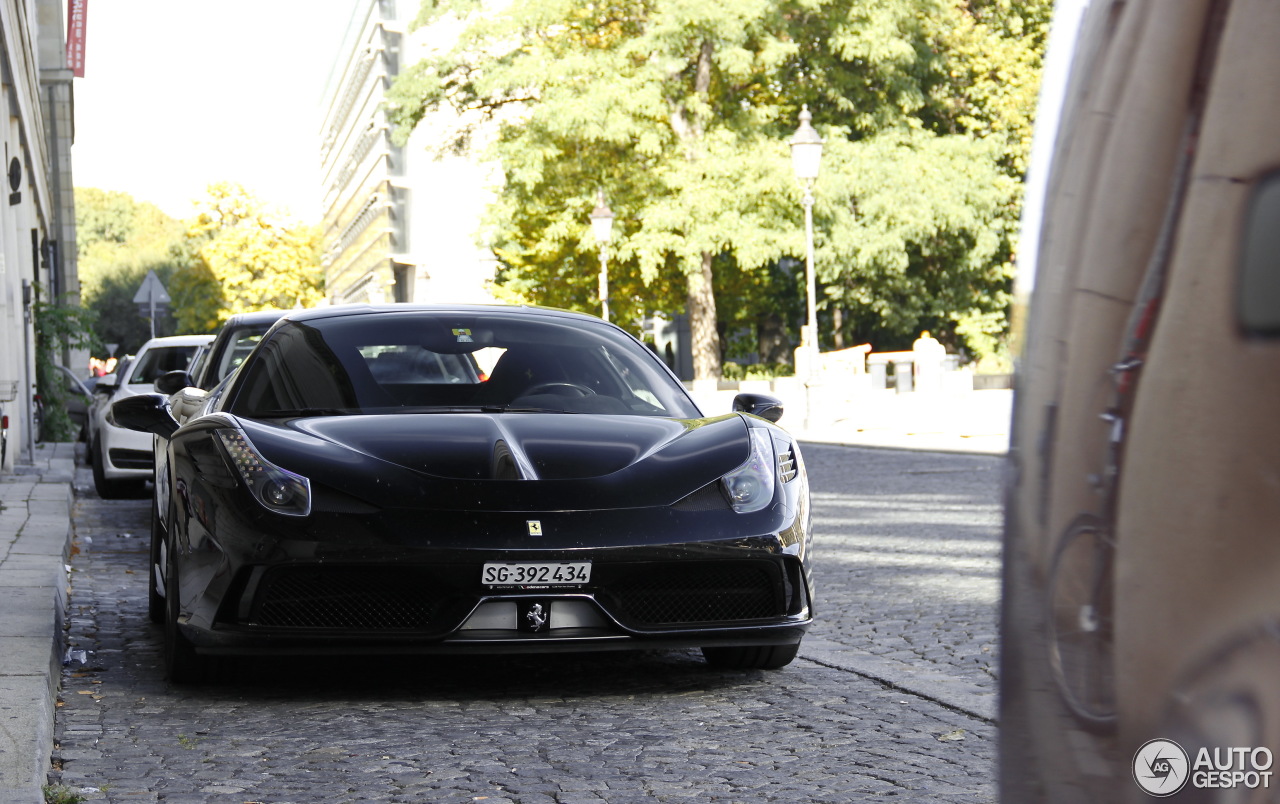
118	240
58	326
680	112
240	255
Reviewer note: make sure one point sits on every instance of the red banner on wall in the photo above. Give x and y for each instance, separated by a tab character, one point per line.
77	11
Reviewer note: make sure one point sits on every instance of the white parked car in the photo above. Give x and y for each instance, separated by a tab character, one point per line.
122	459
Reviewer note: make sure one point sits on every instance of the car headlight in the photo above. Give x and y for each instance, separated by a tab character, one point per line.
750	486
279	490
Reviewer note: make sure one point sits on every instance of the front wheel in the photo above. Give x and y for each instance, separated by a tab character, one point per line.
182	664
751	657
155	600
1081	606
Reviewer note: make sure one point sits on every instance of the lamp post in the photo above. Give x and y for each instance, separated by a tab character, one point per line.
806	155
602	226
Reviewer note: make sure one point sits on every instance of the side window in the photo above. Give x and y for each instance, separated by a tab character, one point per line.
1258	297
632	379
290	374
485	359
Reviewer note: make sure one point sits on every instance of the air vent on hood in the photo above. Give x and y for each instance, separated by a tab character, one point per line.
786	465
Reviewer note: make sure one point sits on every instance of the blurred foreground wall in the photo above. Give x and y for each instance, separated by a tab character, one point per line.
1141	621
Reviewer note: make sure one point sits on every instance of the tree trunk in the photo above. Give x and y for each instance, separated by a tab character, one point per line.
702	323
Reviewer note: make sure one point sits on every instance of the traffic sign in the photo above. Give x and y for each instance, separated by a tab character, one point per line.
152	291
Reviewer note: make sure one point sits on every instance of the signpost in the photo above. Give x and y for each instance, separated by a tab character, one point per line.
151	295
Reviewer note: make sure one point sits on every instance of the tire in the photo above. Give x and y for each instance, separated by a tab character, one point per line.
1080	618
155	600
107	488
182	665
751	657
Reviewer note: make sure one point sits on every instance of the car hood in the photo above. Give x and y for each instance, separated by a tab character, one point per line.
509	461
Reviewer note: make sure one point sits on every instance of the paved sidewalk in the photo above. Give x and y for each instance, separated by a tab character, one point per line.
35	540
975	422
35	537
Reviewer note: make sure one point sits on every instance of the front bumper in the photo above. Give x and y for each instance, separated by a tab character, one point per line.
125	453
670	597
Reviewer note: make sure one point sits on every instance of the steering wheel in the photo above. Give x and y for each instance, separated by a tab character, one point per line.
559	389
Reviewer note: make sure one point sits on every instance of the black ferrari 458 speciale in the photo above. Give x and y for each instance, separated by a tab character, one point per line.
406	479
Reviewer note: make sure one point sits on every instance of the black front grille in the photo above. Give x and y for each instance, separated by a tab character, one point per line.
132	459
697	592
350	598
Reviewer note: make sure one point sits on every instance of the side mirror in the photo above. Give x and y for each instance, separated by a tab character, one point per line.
106	384
173	382
766	407
148	413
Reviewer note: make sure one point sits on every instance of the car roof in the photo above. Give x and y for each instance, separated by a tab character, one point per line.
340	310
175	340
256	317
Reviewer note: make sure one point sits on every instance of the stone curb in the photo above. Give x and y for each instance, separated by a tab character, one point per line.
35	543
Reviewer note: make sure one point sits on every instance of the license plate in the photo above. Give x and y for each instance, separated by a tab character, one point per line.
536	573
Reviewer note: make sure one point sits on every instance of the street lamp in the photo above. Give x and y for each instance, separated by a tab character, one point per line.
602	226
806	155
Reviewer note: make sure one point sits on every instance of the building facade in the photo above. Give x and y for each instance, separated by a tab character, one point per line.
37	212
401	224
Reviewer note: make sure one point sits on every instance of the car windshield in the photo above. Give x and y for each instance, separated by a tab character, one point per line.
428	361
155	363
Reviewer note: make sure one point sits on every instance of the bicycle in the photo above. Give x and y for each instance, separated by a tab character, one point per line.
37	417
8	393
1081	582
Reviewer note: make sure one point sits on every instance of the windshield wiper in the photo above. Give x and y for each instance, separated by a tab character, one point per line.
515	409
475	409
297	413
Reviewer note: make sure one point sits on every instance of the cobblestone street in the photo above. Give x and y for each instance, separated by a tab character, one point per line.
907	563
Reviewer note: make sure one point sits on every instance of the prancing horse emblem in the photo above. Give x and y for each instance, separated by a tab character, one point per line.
535	527
536	617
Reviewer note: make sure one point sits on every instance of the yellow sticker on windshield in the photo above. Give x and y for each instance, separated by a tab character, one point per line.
463	335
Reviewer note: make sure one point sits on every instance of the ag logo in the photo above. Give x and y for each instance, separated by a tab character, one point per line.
1160	768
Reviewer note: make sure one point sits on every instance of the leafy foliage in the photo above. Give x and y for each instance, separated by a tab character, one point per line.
57	326
236	254
681	113
242	256
118	240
